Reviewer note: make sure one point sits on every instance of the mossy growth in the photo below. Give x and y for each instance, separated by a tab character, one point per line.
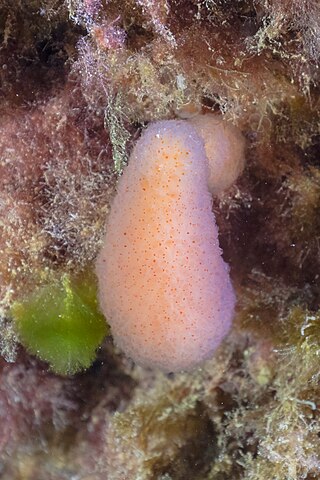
60	323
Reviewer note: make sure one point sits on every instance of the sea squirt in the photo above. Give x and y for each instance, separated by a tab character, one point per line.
163	285
224	145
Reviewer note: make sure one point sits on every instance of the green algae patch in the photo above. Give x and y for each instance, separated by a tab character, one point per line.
61	324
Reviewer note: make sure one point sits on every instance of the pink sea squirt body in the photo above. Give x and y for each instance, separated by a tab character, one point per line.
163	285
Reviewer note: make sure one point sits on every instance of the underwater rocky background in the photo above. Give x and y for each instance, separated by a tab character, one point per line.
79	79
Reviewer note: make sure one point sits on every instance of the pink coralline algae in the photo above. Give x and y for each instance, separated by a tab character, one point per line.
164	287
